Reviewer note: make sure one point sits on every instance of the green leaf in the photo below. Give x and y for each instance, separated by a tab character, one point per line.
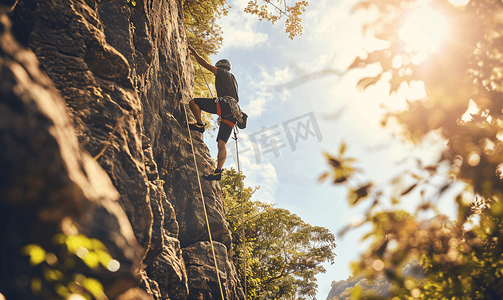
355	195
408	190
36	252
342	148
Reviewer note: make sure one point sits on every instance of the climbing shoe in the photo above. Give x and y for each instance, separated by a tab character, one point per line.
197	127
216	175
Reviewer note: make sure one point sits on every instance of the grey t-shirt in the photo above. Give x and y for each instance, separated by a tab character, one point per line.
226	84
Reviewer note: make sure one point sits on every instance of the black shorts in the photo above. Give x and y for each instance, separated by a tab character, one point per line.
209	105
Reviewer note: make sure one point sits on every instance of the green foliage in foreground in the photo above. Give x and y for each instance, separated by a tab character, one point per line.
463	259
283	253
53	272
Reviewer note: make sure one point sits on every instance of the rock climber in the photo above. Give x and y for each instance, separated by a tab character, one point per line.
225	105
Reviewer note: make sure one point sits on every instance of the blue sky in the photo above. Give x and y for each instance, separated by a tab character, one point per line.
263	57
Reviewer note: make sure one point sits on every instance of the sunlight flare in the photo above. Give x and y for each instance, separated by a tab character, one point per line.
459	2
424	30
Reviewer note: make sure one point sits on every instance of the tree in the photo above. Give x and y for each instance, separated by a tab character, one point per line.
460	261
293	21
283	253
204	35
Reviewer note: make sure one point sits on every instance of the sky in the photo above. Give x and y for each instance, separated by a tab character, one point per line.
290	126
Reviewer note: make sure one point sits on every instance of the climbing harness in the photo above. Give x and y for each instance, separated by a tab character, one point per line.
219	113
233	104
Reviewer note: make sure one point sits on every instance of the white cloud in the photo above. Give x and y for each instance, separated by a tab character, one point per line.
263	93
279	76
257	168
240	28
256	105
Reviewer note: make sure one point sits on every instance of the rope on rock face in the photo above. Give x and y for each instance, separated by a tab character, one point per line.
200	188
240	192
204	77
242	211
204	204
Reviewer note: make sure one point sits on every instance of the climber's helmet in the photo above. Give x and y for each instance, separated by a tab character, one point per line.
224	64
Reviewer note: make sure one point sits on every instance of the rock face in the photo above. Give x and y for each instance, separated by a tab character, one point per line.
123	70
50	187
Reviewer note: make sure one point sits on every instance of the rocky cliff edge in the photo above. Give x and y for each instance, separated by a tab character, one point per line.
94	140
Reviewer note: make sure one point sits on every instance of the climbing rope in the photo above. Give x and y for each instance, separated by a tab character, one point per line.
204	77
201	189
240	190
242	211
204	204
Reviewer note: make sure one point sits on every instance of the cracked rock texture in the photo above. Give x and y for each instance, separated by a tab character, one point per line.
50	187
123	70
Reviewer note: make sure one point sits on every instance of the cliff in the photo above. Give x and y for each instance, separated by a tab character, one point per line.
93	131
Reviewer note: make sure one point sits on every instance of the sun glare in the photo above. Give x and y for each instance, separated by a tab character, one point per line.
459	2
424	30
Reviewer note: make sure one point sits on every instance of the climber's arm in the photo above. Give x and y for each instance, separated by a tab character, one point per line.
202	62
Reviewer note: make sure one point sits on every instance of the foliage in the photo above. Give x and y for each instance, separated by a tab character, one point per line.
462	258
53	271
205	35
283	253
342	167
293	21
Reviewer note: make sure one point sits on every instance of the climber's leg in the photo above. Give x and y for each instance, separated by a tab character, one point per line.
224	132
196	110
222	154
201	104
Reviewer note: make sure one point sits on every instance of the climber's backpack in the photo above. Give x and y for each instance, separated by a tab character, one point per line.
242	125
244	116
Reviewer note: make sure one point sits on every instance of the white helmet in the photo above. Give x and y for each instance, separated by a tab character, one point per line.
224	64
